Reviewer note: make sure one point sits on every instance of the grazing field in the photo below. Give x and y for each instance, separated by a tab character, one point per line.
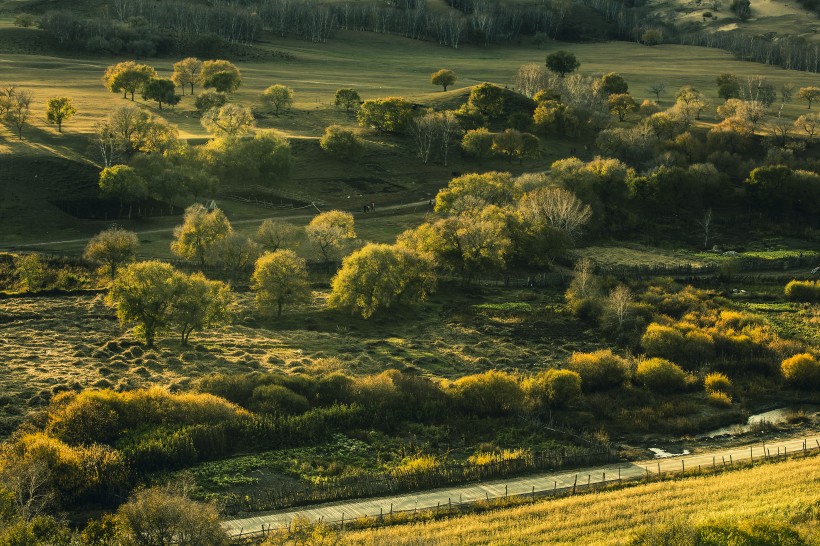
783	493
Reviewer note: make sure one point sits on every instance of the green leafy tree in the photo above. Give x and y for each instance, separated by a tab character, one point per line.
510	144
279	97
128	77
160	90
378	277
200	230
390	115
280	278
614	84
444	77
347	98
228	120
621	104
112	248
331	231
32	271
264	159
59	110
187	72
490	188
15	108
342	143
478	143
808	94
562	63
728	86
142	294
221	75
210	99
123	182
199	303
552	389
488	99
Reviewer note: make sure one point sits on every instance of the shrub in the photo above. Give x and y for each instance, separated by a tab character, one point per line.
490	393
552	388
806	291
660	375
662	341
802	371
278	400
719	399
599	370
717	381
342	143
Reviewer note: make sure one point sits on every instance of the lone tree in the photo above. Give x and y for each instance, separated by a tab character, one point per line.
112	248
220	75
656	89
380	276
59	110
280	278
128	77
279	97
444	78
187	72
342	143
347	98
229	120
330	232
562	63
142	294
16	109
614	84
728	86
809	94
160	90
200	230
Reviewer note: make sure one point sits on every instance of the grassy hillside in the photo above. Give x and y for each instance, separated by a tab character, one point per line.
612	517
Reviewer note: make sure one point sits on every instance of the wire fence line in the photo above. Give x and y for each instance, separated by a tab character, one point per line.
382	511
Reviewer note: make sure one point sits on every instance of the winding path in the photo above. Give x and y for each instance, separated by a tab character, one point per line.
541	484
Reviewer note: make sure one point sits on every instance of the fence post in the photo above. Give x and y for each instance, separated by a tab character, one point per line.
682	467
575	484
731	462
660	476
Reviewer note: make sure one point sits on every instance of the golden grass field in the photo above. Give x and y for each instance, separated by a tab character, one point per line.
784	492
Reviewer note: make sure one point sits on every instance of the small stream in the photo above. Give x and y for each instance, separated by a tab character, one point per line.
772	416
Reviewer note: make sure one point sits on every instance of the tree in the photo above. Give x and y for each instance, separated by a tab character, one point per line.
557	208
488	99
131	129
187	72
220	75
620	300
652	37
160	517
30	487
656	89
347	98
210	99
160	90
264	159
278	97
490	188
478	143
342	143
230	119
621	104
741	8
198	304
59	110
391	114
123	182
425	130
531	79
613	84
236	254
510	143
444	78
17	109
200	230
128	77
786	93
112	248
378	277
448	127
808	94
280	278
562	63
691	102
728	86
809	124
330	232
142	294
273	235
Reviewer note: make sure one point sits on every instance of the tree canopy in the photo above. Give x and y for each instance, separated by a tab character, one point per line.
280	278
562	62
